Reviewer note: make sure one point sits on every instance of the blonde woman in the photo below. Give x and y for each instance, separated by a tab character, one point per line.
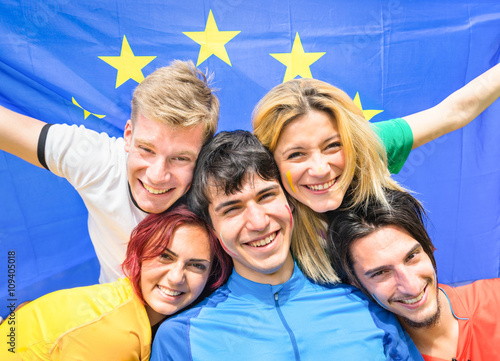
325	150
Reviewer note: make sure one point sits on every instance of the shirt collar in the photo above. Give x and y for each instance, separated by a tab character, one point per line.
260	292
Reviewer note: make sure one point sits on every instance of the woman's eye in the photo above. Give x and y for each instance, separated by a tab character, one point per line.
334	145
199	266
294	155
165	257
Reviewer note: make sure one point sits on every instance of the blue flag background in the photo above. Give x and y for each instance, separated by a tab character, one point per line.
65	62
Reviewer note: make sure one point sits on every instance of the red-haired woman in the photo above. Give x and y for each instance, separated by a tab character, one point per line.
173	259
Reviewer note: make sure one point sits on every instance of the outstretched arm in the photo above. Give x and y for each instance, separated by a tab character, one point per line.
19	135
457	110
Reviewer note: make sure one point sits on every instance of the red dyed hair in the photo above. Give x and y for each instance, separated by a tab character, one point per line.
151	237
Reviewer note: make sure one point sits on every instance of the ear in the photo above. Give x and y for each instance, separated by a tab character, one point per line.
127	135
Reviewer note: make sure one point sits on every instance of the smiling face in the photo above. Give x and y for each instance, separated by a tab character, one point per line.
254	226
177	277
160	163
395	270
311	160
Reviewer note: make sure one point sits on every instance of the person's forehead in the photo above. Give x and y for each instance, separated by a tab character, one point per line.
387	245
190	241
252	185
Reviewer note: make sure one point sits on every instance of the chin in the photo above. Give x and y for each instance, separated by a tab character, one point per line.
425	323
323	208
155	206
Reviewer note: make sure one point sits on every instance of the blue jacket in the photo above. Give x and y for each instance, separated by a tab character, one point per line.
297	320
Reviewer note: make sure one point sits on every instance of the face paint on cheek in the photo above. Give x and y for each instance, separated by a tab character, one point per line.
288	177
291	216
224	246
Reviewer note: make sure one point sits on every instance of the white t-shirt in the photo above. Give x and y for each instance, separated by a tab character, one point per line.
95	165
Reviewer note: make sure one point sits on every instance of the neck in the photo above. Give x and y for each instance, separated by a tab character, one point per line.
279	276
440	339
154	317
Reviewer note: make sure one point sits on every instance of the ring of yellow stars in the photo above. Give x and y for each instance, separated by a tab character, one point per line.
370	113
128	65
212	41
298	61
86	113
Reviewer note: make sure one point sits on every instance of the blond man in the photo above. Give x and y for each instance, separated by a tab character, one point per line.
121	180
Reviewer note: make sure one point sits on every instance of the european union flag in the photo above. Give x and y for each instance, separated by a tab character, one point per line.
79	62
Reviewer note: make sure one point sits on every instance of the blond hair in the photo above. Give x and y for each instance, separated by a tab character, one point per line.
178	95
365	174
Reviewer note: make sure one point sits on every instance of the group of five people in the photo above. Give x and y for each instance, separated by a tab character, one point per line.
282	298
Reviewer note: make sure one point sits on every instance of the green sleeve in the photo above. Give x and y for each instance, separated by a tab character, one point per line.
397	137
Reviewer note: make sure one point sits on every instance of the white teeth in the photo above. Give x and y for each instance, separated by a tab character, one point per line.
320	187
413	300
168	291
154	190
263	242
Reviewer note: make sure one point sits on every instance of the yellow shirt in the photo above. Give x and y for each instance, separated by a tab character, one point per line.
103	322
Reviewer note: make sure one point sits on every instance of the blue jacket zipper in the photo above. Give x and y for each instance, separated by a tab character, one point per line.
288	329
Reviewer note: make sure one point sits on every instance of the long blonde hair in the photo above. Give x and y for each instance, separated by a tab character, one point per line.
365	174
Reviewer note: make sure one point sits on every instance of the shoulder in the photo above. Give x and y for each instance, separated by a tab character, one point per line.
215	302
80	138
217	299
82	318
338	290
390	124
92	162
173	341
97	300
345	300
487	291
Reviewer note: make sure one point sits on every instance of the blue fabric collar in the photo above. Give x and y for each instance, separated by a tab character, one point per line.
253	291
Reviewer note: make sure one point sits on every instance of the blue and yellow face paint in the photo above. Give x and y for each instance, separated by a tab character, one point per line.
288	177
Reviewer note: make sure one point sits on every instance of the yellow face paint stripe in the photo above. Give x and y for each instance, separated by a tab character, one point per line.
289	179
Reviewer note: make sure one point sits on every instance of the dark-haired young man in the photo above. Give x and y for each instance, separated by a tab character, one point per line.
386	252
268	309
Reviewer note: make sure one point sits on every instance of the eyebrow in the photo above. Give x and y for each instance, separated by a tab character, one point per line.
380	268
329	139
191	260
235	201
144	141
147	143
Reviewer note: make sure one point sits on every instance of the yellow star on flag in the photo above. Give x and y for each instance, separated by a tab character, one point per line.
298	61
86	113
128	65
367	113
212	41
